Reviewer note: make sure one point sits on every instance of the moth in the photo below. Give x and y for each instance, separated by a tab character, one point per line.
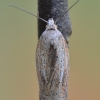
52	62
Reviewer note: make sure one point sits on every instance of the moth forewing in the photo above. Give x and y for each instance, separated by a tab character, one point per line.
52	61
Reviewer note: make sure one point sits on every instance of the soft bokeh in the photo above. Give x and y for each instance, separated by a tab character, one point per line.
18	40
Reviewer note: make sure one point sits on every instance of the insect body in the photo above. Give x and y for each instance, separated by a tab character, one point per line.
52	61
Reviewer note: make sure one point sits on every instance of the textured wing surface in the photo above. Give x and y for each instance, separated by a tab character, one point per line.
52	61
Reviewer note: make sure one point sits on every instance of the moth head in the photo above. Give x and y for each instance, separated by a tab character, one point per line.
50	21
51	25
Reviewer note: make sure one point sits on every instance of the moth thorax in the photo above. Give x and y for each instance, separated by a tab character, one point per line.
51	25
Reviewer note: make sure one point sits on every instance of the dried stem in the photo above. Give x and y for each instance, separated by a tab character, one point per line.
52	54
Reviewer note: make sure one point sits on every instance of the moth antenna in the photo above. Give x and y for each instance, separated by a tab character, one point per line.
27	12
66	11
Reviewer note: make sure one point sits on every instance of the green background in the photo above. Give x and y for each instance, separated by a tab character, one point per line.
18	40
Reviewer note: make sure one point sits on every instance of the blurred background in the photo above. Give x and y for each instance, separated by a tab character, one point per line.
18	40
